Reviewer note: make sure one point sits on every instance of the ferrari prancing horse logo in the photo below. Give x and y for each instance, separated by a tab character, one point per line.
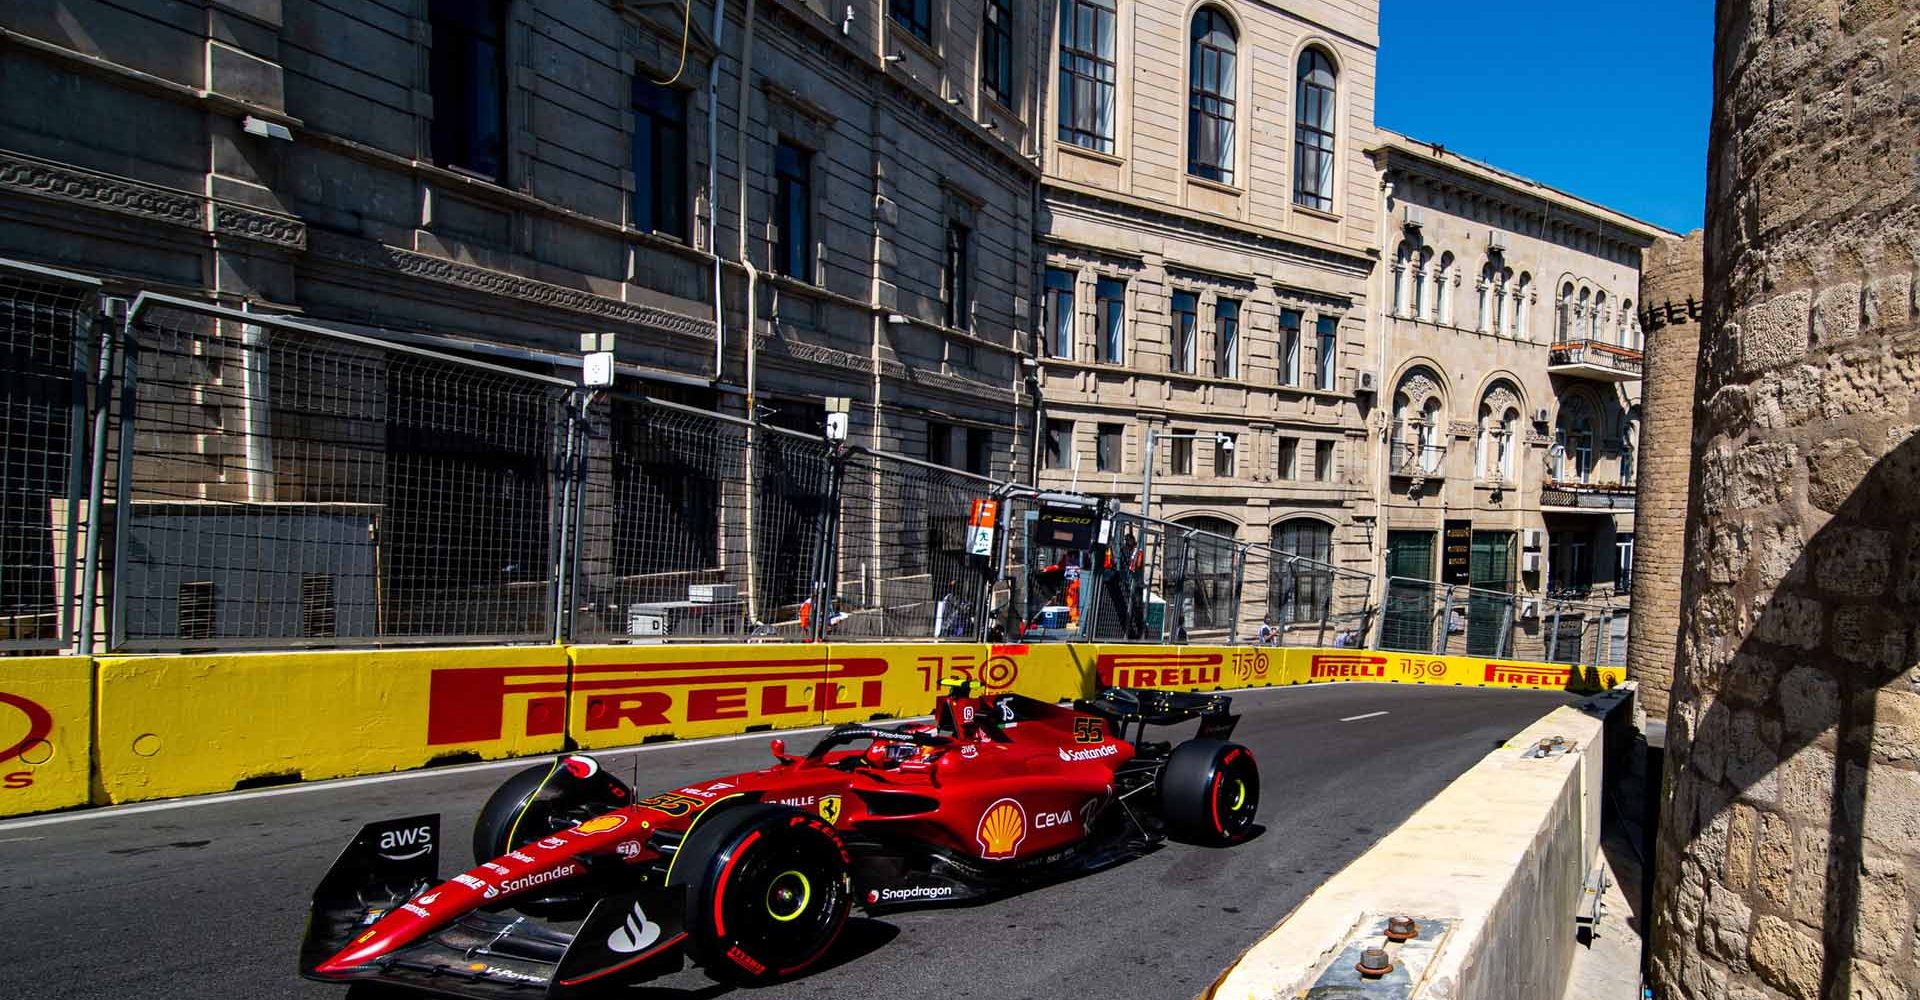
830	808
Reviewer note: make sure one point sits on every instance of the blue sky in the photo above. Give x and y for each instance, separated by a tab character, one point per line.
1607	99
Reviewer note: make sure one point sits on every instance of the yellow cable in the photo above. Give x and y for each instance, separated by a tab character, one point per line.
686	29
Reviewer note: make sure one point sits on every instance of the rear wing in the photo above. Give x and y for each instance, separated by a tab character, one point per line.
1145	707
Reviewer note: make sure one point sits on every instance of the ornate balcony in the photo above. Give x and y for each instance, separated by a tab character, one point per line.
1595	359
1557	497
1409	460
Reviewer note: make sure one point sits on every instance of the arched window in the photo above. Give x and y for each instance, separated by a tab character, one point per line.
1445	277
1414	446
1523	300
1313	131
1210	107
1582	309
1487	276
1597	320
1499	421
1629	326
1402	277
1423	285
1300	580
1573	437
1563	314
1503	301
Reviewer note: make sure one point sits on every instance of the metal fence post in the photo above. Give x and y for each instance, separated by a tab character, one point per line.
826	574
1553	634
1446	624
564	559
1507	617
1380	630
1239	587
111	330
123	485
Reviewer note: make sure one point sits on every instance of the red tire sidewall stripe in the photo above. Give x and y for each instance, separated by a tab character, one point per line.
720	887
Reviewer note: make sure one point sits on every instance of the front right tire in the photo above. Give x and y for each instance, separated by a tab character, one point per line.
768	891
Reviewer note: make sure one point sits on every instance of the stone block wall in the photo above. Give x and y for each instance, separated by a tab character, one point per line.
1669	281
1789	855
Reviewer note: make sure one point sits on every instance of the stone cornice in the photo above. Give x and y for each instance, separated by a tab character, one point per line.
39	178
1110	209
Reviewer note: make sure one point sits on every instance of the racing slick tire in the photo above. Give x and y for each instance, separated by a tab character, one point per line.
1209	792
768	891
543	800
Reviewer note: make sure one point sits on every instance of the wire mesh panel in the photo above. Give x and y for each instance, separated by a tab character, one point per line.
793	502
45	327
1129	605
902	566
1292	600
1201	571
287	485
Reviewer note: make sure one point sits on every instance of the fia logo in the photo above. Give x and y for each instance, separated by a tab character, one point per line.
407	844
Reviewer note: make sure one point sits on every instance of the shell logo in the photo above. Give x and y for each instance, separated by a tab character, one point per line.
601	825
1002	829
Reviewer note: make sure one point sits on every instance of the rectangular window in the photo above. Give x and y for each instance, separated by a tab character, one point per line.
1106	457
1186	316
1087	73
1059	444
1286	458
1327	329
1110	308
1290	346
1226	333
468	68
1059	309
959	284
1323	461
980	451
940	443
1225	449
659	200
1181	454
914	15
996	51
1623	563
793	249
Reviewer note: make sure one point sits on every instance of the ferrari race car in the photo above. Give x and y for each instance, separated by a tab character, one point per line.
578	886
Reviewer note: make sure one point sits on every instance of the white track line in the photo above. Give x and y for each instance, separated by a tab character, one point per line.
84	813
1357	718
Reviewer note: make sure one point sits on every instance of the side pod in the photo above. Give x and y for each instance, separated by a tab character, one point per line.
382	867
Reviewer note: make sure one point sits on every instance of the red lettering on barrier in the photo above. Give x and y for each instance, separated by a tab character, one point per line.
468	704
39	725
773	701
641	708
1170	669
1337	665
708	704
1537	677
18	779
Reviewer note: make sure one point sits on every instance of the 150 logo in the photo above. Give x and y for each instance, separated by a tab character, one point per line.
31	747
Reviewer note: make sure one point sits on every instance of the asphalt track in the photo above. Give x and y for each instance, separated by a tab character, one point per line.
208	901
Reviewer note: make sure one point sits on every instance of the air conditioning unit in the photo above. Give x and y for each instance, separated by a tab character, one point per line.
1497	241
1416	216
1365	381
1529	562
1530	539
1541	416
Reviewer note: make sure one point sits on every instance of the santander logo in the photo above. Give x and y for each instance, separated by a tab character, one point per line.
635	934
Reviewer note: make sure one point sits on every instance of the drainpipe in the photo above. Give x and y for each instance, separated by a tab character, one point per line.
741	113
713	186
1382	481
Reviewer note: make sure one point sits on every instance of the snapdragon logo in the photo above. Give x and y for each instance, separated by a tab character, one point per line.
1094	753
891	895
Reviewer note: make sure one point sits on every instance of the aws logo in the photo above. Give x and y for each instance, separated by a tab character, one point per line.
29	723
1002	829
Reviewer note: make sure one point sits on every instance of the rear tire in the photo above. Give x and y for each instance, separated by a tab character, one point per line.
1209	792
767	891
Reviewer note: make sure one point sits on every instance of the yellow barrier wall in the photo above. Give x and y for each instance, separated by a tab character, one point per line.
181	725
46	732
1316	666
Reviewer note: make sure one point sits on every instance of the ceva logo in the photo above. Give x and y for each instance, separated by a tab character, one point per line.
38	726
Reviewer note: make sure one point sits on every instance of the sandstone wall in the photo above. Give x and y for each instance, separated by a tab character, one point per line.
1789	862
1669	282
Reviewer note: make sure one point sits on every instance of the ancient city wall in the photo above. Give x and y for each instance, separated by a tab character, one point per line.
1789	862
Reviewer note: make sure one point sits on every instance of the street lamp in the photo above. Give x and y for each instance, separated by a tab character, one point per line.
1221	439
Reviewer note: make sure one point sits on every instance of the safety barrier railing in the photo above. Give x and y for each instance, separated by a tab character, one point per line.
263	482
1427	617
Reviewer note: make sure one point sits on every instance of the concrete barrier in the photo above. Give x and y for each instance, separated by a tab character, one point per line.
1495	866
129	728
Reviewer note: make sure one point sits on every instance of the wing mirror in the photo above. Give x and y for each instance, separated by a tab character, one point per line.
779	748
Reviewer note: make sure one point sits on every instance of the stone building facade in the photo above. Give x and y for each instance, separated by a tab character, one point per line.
1788	861
1670	309
511	173
1206	230
1509	389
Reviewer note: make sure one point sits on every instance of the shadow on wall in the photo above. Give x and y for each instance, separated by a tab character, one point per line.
1772	836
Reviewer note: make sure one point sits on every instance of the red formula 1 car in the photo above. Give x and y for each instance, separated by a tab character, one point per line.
580	887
